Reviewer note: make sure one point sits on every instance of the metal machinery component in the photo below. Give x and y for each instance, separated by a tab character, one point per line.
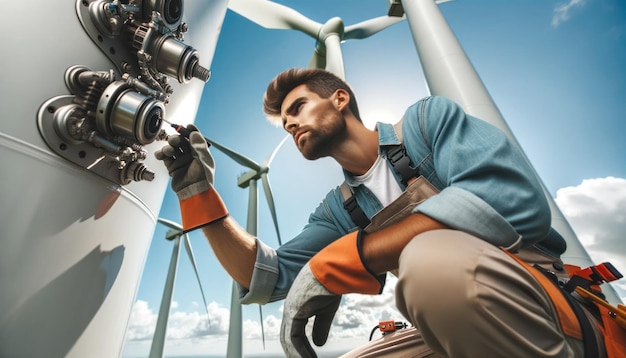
110	115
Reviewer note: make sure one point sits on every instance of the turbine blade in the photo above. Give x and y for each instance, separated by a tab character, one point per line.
269	159
334	58
170	224
239	158
274	16
368	28
195	269
270	202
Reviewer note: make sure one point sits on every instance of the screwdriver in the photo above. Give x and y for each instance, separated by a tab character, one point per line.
184	131
179	128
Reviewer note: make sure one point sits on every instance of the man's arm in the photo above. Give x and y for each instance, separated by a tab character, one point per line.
192	168
382	248
488	188
234	248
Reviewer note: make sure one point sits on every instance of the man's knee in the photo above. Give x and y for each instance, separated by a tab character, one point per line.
436	272
440	255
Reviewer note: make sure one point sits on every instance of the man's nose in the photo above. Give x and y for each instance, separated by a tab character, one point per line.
291	125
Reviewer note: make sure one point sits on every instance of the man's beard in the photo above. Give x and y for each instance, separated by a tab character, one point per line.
322	139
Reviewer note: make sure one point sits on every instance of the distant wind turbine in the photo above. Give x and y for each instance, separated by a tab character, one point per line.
174	234
328	36
249	179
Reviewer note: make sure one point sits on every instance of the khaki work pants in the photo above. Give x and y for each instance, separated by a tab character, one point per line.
467	298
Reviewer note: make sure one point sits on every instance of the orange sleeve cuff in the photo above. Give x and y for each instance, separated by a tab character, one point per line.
202	209
340	269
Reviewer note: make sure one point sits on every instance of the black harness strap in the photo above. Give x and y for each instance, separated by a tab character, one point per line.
401	163
590	343
352	207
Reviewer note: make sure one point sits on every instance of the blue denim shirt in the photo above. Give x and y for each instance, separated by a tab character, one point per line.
487	188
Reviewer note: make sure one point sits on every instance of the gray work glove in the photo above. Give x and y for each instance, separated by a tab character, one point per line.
307	298
192	168
189	163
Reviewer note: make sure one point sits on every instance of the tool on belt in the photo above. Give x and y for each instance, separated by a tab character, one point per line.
586	283
574	322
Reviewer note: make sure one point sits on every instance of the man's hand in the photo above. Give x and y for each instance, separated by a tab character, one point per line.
189	163
307	298
192	169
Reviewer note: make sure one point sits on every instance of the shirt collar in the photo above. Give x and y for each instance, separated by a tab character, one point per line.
386	136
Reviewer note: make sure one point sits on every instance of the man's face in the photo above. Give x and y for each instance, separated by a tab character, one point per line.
315	123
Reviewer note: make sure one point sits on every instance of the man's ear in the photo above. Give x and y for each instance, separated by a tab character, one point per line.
342	98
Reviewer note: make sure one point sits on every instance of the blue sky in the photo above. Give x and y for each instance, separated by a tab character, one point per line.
554	68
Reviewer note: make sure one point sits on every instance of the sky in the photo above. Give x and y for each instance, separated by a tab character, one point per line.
553	67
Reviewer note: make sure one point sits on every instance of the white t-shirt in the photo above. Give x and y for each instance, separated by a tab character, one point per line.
381	181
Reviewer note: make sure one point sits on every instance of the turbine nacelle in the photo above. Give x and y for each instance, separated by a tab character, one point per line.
244	179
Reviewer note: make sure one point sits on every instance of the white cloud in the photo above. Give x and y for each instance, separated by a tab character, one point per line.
359	314
142	322
181	325
562	12
596	210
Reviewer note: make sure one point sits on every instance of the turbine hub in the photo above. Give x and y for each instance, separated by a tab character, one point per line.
333	26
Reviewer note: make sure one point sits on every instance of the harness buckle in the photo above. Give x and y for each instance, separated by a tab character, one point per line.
401	163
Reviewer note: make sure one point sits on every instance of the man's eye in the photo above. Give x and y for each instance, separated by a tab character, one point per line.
298	107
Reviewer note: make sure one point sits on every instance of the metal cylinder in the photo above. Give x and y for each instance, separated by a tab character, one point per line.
125	112
175	58
170	10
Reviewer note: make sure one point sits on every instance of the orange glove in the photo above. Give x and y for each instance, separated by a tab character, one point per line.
340	268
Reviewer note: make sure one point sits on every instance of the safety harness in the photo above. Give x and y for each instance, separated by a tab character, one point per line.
584	282
574	322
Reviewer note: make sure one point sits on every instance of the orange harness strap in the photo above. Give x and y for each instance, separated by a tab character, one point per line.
573	320
565	313
613	326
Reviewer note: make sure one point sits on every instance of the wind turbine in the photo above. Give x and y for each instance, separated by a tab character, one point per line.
328	36
174	234
249	179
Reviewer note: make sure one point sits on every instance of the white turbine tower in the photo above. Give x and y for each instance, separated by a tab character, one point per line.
174	234
328	36
249	179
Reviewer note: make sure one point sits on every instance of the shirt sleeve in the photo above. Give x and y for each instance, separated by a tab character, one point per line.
275	270
489	188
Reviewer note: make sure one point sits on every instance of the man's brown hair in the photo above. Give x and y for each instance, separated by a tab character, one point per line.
321	82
